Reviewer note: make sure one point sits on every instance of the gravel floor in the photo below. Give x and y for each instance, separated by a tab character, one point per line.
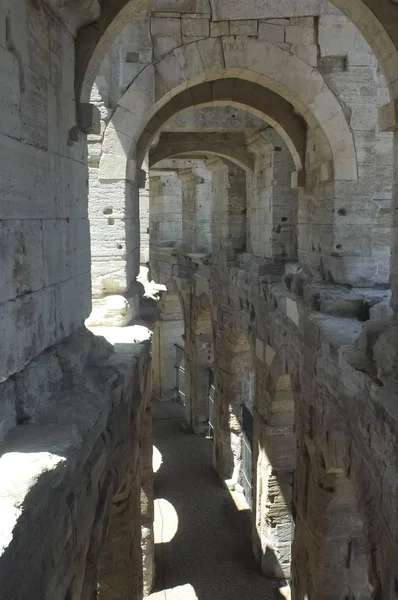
209	557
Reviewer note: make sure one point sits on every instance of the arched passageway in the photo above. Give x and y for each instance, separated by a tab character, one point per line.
279	252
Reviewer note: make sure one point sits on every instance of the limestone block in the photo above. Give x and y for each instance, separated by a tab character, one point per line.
168	74
164	45
66	248
339	37
189	60
308	53
113	311
219	28
244	27
71	187
21	258
327	171
260	349
38	182
36	384
27	327
298	179
335	453
10	121
195	25
269	355
73	304
292	310
112	276
388	116
269	32
235	51
116	149
8	413
297	34
166	26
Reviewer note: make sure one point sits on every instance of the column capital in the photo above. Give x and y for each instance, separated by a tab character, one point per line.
215	162
257	142
298	179
388	116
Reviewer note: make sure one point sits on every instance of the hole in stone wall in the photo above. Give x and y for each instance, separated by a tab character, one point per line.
119	246
111	221
108	210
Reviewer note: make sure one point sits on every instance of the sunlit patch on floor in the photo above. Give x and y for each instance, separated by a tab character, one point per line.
182	592
166	521
157	460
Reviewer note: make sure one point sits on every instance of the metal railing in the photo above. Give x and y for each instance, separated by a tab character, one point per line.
179	367
247	454
211	411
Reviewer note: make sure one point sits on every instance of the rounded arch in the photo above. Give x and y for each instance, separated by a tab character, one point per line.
93	41
179	145
275	462
278	86
250	96
375	19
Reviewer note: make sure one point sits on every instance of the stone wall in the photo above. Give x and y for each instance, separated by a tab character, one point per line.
70	472
45	264
315	366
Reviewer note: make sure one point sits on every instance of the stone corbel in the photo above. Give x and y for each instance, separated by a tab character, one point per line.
388	117
88	118
327	171
335	453
298	179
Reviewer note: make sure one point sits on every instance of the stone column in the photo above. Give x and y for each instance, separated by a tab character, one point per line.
233	378
115	249
228	226
165	209
120	567
274	459
388	121
394	231
188	208
168	332
284	201
260	198
198	361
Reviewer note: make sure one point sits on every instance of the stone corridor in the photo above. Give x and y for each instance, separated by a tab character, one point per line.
210	555
199	203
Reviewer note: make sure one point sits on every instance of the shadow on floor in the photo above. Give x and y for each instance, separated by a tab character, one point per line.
211	548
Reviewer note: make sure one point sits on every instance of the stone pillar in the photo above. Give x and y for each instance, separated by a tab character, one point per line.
188	201
203	210
284	201
274	459
233	372
228	225
165	209
115	249
260	198
120	566
168	332
394	232
198	362
144	216
388	121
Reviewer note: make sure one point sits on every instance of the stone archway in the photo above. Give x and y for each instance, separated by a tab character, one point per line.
375	19
275	463
163	89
